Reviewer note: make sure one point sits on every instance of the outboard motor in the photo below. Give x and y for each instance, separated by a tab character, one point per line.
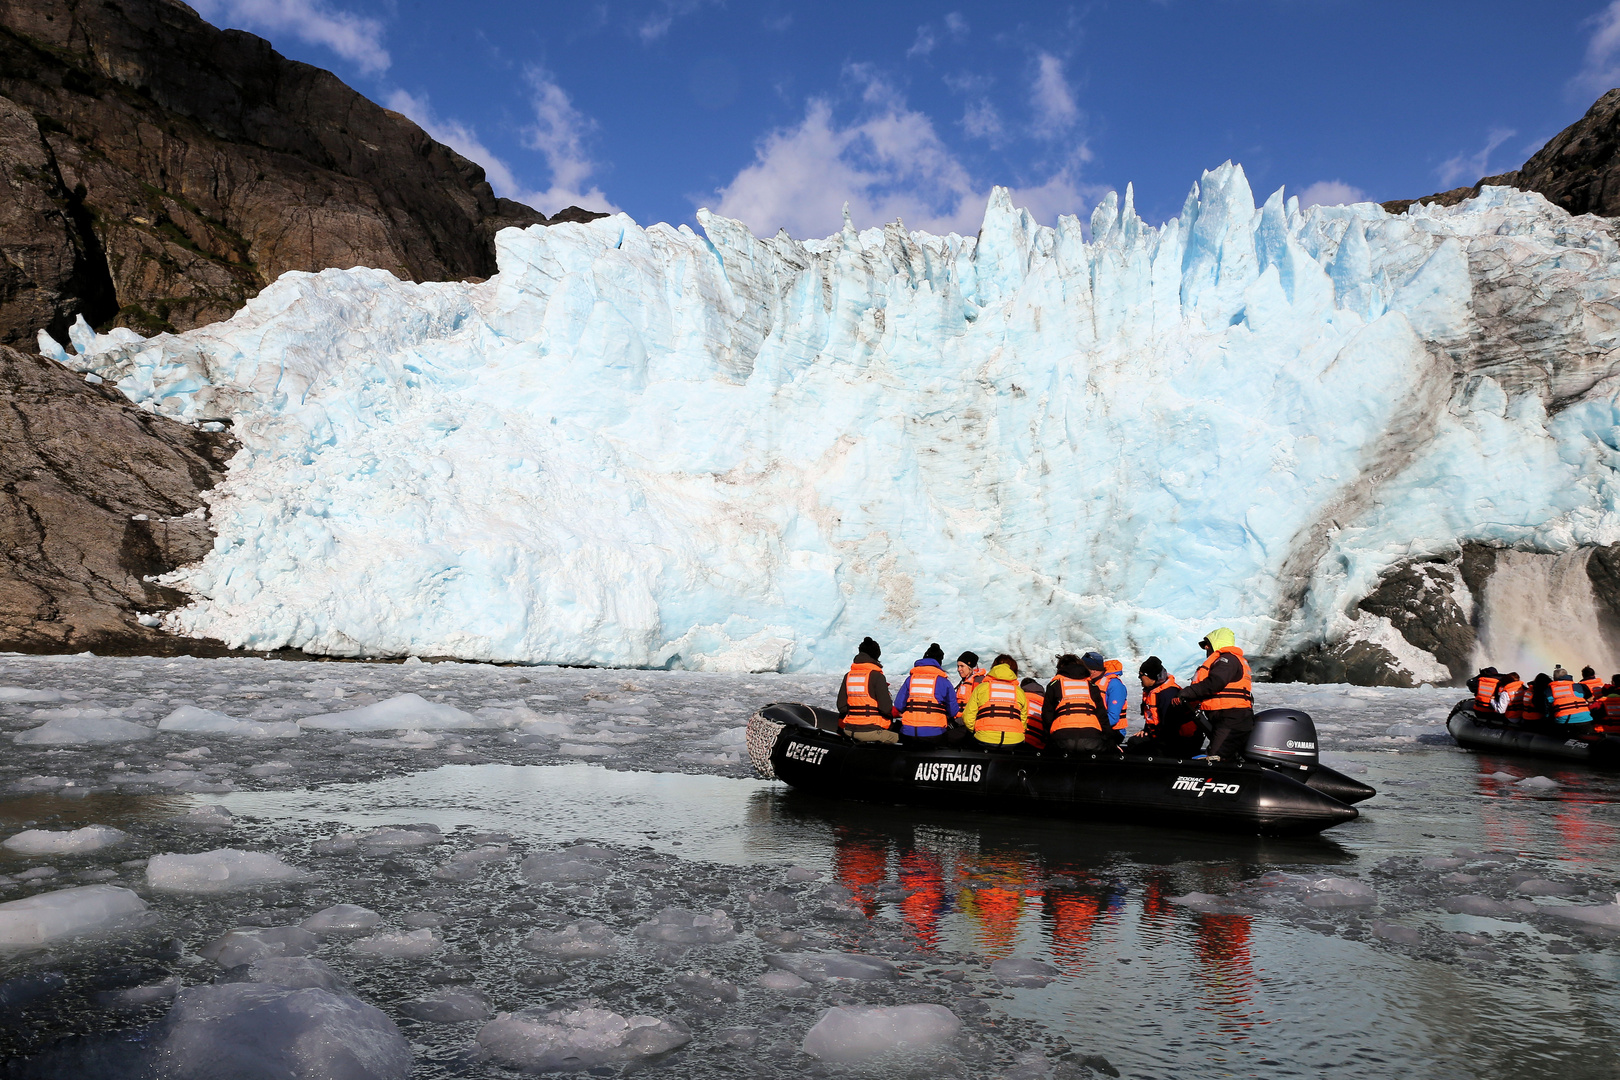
1285	737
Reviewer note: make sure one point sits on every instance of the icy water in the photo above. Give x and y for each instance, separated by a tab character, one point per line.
592	838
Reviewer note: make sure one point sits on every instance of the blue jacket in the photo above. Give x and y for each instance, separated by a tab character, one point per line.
943	691
1115	700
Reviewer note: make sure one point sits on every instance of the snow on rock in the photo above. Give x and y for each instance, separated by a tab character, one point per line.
342	919
407	712
703	495
83	731
66	913
261	1030
849	1033
218	871
190	720
69	842
578	1038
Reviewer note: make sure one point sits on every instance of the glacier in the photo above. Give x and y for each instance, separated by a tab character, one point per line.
657	447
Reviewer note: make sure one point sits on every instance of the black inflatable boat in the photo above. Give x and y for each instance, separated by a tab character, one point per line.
1279	789
1471	734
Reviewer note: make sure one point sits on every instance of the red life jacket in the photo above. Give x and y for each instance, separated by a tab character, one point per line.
1485	695
924	711
1035	729
1607	709
1238	694
1076	708
1568	707
864	712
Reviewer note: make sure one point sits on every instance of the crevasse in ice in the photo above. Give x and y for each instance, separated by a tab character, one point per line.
653	447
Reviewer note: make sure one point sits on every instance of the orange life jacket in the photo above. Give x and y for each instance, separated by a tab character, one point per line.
964	689
1150	711
1035	729
1594	688
1076	708
999	715
1519	708
1607	709
1238	694
1485	695
1110	674
864	711
923	710
1568	707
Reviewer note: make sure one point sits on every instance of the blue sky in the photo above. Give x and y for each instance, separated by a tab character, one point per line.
781	111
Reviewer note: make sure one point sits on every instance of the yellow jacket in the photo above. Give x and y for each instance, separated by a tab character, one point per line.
981	694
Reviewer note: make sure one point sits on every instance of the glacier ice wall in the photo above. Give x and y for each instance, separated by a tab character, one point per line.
648	446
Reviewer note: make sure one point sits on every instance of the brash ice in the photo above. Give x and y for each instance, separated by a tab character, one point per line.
653	447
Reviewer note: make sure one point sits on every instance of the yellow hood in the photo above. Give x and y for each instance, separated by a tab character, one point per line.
1221	639
1002	671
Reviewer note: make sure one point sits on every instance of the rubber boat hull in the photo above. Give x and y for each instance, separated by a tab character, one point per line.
793	743
1473	735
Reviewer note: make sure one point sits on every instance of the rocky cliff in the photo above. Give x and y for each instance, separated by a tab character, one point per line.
1578	169
162	171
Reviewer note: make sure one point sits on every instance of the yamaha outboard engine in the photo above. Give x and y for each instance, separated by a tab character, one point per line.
1284	737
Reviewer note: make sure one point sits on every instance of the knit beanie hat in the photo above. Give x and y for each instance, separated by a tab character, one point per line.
971	659
1152	667
871	648
935	653
1093	660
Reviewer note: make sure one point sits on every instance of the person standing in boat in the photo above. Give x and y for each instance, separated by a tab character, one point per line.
1223	689
927	703
864	705
997	709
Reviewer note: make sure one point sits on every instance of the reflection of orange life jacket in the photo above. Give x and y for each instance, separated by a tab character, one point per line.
1568	707
924	904
1238	694
999	714
860	863
1150	711
1485	696
864	712
1076	708
923	710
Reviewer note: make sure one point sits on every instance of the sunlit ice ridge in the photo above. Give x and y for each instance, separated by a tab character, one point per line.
658	447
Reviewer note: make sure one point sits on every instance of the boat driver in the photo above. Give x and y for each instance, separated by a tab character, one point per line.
1223	689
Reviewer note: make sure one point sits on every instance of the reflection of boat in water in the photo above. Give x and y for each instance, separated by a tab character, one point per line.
1279	789
1471	734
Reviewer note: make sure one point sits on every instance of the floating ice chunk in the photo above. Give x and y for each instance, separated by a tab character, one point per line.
259	1030
395	945
295	972
1607	915
25	695
784	981
407	712
800	874
1440	862
703	985
1210	903
849	1033
392	838
218	871
67	913
1022	971
819	967
38	873
418	919
1338	892
1500	775
1538	783
1543	887
465	866
83	731
743	1038
190	720
576	941
560	866
73	842
342	919
247	944
410	740
207	814
1475	905
678	926
1396	933
453	1005
580	1038
138	997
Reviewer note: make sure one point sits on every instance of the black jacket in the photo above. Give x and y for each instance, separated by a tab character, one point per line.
876	685
1054	696
1222	673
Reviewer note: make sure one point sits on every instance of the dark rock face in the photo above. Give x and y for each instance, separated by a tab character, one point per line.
1579	169
160	172
80	463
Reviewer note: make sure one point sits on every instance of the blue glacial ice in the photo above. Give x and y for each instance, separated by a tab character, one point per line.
654	447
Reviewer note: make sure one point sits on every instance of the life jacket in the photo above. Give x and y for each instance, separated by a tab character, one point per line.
1485	695
924	711
1150	711
1568	707
864	711
1519	705
1607	709
1594	688
999	715
1109	676
1035	729
1076	707
964	689
1512	691
1238	694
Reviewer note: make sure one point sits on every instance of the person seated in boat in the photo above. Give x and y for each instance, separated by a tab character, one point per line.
1606	710
1483	687
926	704
1168	729
1590	683
1223	689
1114	694
1079	704
1035	729
968	675
1507	705
997	709
864	705
1563	710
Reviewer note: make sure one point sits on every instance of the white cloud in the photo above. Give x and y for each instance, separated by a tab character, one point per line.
1055	110
1331	193
887	163
657	24
1600	72
356	38
956	24
925	42
1470	167
981	121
